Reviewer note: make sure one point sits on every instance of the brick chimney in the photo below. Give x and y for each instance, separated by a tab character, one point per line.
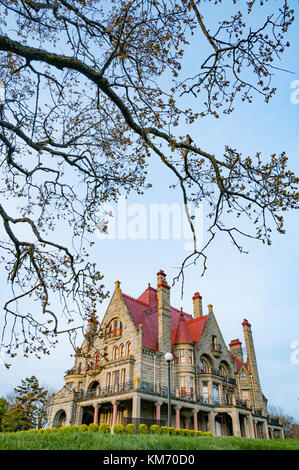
92	325
197	305
252	364
164	327
236	349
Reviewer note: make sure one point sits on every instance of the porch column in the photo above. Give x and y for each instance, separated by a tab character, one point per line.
114	416
177	417
255	430
251	426
236	423
266	431
212	427
158	410
136	405
96	414
271	433
80	415
282	434
195	419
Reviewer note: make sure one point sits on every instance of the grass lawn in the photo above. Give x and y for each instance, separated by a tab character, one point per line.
97	441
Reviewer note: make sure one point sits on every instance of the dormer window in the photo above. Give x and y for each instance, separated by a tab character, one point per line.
243	375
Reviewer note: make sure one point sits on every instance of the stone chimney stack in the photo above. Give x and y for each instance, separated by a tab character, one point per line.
164	327
236	349
197	305
252	364
92	325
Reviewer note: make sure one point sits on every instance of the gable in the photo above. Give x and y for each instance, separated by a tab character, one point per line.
211	328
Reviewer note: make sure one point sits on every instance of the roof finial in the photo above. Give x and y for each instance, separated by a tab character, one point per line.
117	284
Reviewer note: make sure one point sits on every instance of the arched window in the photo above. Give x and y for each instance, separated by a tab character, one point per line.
97	360
204	367
122	350
114	328
128	349
116	353
222	370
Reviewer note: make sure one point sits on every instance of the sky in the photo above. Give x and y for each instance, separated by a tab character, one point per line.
261	286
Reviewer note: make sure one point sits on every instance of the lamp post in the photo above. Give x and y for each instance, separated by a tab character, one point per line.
168	358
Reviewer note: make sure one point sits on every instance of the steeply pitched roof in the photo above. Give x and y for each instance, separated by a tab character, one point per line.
144	311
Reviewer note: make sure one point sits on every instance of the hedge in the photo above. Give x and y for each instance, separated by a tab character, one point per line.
105	428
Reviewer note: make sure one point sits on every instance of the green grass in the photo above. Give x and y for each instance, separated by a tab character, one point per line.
96	441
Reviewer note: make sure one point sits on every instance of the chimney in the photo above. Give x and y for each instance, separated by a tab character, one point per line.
252	364
197	305
164	326
92	325
236	349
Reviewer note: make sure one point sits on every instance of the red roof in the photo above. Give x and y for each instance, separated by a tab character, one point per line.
239	363
144	311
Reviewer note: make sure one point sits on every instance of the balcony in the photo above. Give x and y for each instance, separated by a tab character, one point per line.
216	350
73	371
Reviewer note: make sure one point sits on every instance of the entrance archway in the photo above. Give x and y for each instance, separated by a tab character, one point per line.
60	419
88	413
223	425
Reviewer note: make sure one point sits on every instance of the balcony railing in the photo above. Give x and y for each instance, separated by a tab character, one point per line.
217	372
241	403
73	371
257	412
274	420
117	388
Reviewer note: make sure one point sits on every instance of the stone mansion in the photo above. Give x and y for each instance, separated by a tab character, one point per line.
120	373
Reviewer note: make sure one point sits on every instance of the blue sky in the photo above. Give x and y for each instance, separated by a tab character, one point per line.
261	286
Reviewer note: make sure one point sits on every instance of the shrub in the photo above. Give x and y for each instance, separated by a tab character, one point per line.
74	427
192	433
41	430
142	429
83	427
164	430
92	427
208	434
130	428
171	431
54	429
186	432
179	432
105	428
118	429
65	429
154	429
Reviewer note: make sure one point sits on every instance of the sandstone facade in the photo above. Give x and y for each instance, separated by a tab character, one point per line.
120	373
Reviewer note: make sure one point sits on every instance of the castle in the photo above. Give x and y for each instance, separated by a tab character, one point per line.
120	373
